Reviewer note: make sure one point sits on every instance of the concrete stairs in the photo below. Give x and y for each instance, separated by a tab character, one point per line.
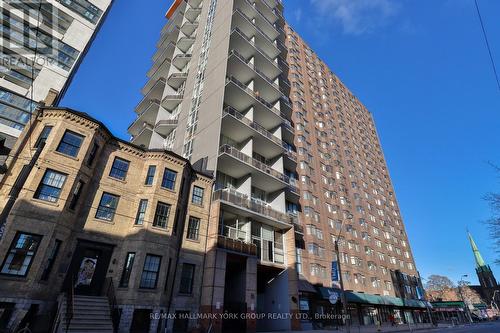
90	314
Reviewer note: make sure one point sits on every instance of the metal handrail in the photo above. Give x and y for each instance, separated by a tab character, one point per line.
244	201
259	128
253	44
227	149
256	27
111	296
70	300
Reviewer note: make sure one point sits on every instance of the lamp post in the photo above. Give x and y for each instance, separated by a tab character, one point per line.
341	280
462	296
494	302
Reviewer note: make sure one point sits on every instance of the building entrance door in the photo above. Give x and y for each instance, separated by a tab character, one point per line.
88	267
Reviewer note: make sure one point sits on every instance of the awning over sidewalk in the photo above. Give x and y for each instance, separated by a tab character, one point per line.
362	298
305	286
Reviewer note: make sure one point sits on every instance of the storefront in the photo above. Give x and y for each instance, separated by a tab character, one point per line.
373	310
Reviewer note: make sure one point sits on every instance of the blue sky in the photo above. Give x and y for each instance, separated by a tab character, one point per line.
421	67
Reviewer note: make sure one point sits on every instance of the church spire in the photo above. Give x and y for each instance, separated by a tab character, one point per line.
477	255
483	271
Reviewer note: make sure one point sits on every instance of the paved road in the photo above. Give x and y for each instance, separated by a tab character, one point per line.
490	327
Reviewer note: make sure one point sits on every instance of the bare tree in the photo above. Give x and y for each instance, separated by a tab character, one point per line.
493	223
438	282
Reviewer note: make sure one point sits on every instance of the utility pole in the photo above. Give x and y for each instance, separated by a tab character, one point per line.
343	298
462	296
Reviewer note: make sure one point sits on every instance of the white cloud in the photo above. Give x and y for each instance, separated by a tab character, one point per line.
357	16
298	14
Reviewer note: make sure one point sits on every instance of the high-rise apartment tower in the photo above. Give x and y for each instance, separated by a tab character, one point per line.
218	95
42	42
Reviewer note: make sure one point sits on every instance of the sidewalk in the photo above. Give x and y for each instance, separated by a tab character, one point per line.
374	329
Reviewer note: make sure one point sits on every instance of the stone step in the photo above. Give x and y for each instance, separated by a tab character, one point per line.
90	326
90	314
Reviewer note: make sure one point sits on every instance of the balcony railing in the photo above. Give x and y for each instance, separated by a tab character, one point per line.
259	128
232	151
247	62
249	40
257	97
244	201
259	12
249	20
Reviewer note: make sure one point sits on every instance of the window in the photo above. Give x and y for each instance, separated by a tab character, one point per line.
161	215
197	195
193	231
150	271
141	212
187	277
107	207
127	269
76	194
43	136
168	180
92	154
70	144
21	253
119	169
51	260
50	187
84	8
151	175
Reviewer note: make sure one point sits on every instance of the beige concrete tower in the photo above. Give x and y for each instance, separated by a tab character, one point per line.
218	95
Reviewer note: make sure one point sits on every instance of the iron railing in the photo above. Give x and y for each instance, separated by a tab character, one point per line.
244	201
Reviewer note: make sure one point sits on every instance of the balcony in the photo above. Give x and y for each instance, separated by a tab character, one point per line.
232	239
237	164
241	97
181	60
253	10
164	127
267	10
245	24
143	138
188	28
192	13
150	94
245	206
170	102
248	48
148	116
175	80
246	71
239	128
185	43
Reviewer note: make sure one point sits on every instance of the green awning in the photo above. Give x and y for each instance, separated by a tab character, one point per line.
394	301
362	298
414	303
447	304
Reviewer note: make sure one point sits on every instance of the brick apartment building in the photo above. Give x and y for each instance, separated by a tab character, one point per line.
347	197
114	223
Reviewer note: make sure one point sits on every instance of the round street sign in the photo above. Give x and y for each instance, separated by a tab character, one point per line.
334	297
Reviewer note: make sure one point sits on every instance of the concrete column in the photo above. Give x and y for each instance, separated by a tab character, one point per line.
153	325
126	318
251	292
247	147
244	185
20	311
278	202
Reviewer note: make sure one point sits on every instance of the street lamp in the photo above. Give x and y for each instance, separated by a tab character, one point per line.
493	301
341	280
462	296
